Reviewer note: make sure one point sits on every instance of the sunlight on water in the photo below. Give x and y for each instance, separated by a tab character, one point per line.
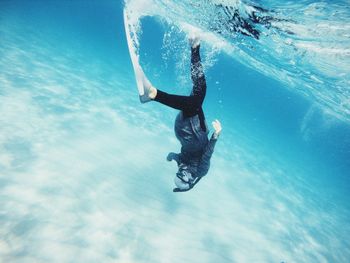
83	174
305	45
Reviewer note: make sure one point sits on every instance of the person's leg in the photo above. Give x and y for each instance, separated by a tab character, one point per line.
190	105
174	101
199	84
183	103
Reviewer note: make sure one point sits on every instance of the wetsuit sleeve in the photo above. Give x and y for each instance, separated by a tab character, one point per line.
205	160
174	156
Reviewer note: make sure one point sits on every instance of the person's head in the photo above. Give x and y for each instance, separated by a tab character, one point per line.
183	177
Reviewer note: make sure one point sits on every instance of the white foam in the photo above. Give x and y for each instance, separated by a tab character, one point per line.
316	44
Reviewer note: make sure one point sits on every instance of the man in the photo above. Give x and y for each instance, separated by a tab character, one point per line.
190	126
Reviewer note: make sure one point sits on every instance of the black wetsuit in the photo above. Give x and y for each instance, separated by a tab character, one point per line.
189	105
190	125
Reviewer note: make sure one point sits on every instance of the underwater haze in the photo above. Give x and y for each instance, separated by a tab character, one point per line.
83	170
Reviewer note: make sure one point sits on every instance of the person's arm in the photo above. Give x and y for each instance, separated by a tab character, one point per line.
174	156
204	164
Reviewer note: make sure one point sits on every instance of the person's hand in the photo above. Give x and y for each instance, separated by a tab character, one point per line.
217	128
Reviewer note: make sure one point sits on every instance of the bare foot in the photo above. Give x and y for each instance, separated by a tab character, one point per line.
194	40
150	92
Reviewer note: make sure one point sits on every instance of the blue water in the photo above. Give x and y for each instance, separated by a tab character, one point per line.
83	175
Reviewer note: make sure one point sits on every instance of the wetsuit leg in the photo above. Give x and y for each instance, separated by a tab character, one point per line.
190	105
197	74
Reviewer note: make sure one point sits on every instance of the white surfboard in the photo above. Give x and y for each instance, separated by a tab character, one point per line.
132	42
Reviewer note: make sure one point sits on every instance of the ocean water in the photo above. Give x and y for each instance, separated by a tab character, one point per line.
83	173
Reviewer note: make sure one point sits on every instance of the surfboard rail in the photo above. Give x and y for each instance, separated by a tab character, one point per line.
132	41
